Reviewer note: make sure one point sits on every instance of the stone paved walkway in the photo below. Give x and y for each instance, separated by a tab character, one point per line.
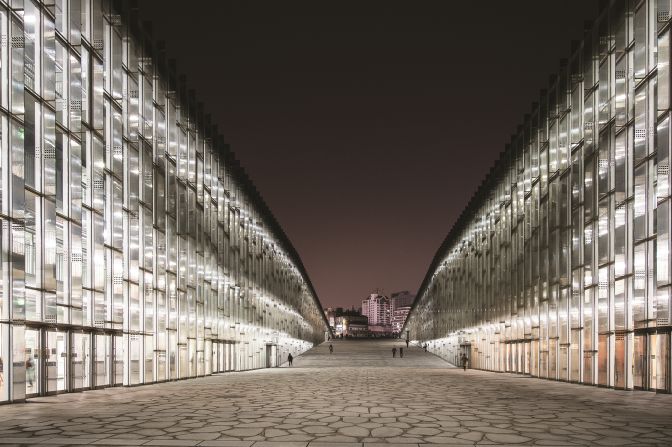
359	396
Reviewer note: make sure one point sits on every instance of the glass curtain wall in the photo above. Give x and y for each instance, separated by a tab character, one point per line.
133	248
560	268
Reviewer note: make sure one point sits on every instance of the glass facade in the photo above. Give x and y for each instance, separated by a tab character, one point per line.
133	248
560	265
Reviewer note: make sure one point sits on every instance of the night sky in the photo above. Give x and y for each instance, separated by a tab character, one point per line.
367	125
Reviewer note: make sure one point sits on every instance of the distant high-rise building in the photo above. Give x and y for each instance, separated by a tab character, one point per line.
377	308
401	299
400	306
399	318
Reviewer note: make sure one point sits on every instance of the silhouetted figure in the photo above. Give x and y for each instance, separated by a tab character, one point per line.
30	371
407	341
464	359
331	349
394	352
401	353
425	347
290	359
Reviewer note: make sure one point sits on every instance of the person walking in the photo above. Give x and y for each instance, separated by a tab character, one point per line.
30	371
394	352
464	361
331	349
401	353
290	359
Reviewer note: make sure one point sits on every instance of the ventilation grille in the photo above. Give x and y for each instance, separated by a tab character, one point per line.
114	19
49	153
18	41
603	163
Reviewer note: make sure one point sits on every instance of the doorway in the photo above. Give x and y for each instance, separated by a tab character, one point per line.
81	361
34	362
102	356
56	364
651	361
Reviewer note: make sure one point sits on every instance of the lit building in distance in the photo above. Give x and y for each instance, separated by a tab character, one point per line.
401	299
399	316
134	248
400	305
377	308
560	265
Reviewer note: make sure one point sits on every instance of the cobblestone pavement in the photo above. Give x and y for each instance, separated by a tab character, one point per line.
357	396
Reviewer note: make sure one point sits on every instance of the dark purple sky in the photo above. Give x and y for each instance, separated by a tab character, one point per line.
367	125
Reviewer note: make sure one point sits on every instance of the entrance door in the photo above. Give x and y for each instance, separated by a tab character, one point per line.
619	362
663	362
526	357
269	356
56	368
81	361
101	360
34	362
118	360
210	356
640	373
651	362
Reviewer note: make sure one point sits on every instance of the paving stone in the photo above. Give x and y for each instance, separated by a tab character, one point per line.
446	441
506	438
386	432
358	432
226	444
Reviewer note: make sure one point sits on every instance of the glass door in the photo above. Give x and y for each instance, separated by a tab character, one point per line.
653	365
81	361
101	360
641	363
118	360
620	379
56	361
663	362
33	362
210	354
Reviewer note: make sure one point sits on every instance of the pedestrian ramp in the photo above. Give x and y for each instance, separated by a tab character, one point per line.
368	353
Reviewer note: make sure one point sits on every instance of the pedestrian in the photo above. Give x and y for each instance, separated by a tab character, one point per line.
30	371
464	361
290	359
394	352
331	349
425	347
407	341
401	353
